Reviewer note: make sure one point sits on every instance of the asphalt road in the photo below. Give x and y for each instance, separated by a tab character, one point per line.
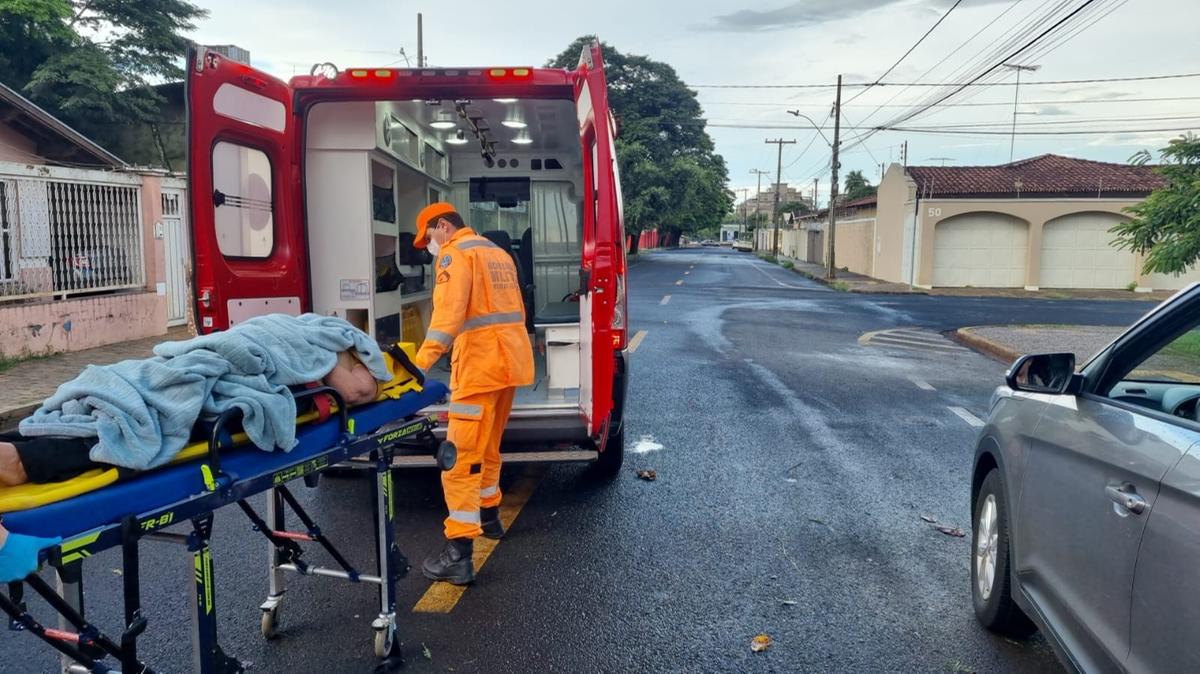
795	466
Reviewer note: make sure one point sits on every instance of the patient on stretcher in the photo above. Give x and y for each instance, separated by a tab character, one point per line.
42	460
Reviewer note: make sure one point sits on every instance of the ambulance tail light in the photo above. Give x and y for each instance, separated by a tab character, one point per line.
619	320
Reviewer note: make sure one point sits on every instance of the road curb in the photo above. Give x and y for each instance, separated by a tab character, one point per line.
1000	352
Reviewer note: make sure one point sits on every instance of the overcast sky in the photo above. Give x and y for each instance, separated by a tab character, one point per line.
784	42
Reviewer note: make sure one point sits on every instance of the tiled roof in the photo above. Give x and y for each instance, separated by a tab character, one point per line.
1044	175
861	201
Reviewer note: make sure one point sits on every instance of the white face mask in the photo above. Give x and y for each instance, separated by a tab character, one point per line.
433	248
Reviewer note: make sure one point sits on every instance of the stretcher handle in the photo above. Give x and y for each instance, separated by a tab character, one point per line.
405	362
233	414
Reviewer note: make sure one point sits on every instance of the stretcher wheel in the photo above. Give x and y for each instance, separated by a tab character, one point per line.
270	623
384	642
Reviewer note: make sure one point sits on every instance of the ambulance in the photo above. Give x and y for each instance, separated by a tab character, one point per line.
304	196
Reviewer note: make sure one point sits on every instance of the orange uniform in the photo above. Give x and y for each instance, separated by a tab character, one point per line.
479	309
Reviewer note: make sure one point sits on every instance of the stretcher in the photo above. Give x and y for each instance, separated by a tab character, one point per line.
112	508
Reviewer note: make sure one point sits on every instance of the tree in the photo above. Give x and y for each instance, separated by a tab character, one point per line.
1166	225
90	62
857	186
671	176
795	208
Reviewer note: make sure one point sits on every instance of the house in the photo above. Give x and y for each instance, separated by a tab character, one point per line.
84	240
764	201
1041	222
804	236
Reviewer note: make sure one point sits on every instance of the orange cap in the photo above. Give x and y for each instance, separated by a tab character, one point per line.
427	215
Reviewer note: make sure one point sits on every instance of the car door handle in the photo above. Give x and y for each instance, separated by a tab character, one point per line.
1126	497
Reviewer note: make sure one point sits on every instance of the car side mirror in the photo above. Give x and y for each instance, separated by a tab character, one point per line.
1043	373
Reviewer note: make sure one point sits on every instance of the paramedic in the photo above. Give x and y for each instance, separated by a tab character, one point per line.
479	310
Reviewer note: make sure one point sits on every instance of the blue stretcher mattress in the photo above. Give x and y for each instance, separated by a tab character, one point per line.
162	487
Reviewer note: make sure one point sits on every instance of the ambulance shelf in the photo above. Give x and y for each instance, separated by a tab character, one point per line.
385	228
416	297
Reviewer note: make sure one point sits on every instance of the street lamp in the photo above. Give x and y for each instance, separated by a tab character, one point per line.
797	113
1016	92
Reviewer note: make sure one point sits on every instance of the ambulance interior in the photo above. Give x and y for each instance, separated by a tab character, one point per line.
513	169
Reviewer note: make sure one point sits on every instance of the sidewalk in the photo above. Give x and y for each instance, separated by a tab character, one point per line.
859	283
1007	343
24	385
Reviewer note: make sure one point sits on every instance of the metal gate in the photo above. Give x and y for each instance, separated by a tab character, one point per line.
177	255
816	247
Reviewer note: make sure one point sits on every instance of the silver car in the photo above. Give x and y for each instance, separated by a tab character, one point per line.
1086	500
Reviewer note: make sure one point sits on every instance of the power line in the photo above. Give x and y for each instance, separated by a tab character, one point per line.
1079	132
910	49
1096	80
1077	101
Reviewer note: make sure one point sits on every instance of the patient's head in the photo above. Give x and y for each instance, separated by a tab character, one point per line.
352	380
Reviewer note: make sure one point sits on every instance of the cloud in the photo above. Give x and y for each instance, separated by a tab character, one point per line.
795	15
1052	111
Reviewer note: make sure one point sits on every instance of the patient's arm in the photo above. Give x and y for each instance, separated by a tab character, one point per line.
352	380
12	471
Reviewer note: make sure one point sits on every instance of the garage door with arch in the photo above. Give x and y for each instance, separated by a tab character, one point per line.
982	250
1077	252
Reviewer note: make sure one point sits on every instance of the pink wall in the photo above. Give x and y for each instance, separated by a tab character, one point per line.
74	324
17	148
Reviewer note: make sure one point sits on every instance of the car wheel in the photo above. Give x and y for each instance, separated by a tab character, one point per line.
991	583
609	463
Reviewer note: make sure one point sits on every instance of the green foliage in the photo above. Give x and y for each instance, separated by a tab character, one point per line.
90	62
857	186
671	177
840	286
787	264
766	257
1132	286
796	207
1166	225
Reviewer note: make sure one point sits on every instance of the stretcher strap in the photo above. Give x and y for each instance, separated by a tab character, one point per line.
322	403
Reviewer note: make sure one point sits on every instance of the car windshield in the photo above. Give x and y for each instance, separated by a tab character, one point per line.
1176	363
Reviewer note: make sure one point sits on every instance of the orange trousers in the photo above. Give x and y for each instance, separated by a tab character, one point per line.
476	425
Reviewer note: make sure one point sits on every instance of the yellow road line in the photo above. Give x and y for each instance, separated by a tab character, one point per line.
636	341
442	597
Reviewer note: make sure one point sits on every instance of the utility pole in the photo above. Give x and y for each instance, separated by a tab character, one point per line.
833	182
778	176
1012	144
745	210
815	180
757	193
904	154
420	43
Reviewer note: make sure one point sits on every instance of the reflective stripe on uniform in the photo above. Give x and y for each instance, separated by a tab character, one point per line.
466	516
494	319
443	338
465	408
474	243
489	491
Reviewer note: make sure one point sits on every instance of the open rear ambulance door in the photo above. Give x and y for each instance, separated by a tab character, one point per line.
248	244
602	247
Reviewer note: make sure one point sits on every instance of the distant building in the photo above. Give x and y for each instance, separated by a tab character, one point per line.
764	201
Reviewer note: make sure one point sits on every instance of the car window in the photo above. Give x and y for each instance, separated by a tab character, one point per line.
1176	363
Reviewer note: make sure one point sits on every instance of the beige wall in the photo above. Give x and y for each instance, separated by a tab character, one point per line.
855	242
1034	212
16	147
895	205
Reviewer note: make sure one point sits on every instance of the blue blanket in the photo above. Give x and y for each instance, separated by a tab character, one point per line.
142	411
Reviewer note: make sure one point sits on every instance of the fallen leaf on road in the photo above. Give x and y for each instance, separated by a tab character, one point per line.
929	518
788	602
760	643
648	475
118	572
815	520
425	651
951	531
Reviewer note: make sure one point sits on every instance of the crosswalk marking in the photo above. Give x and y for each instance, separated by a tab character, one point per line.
911	338
665	299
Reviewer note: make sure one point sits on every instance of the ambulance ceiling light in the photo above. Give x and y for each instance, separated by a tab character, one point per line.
444	120
514	124
505	100
522	139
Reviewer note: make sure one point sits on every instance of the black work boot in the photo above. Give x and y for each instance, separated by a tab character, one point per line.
489	520
453	564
